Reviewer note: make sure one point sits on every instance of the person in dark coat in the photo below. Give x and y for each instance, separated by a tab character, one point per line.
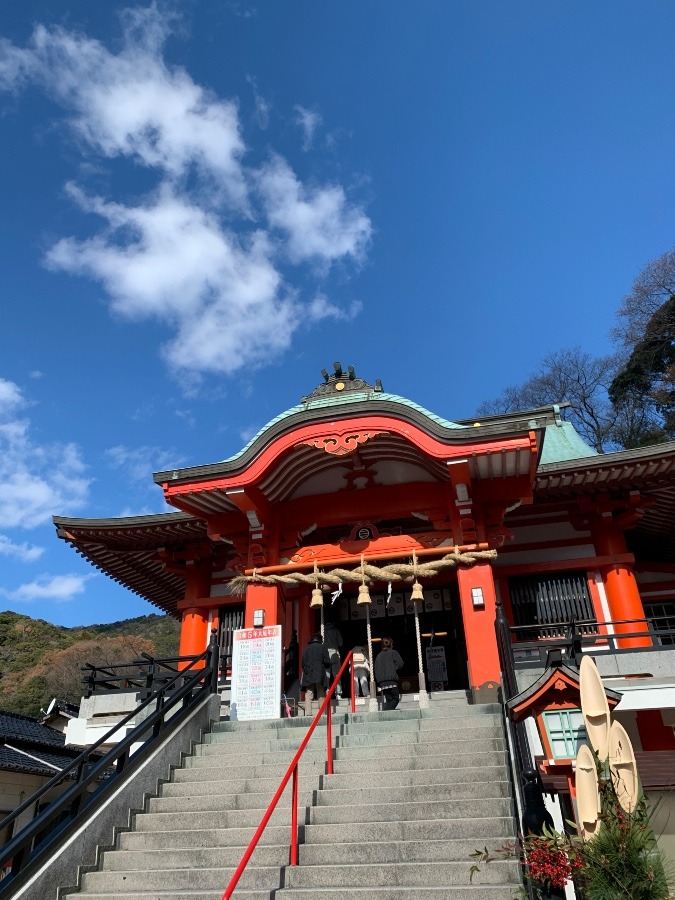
387	664
333	641
315	663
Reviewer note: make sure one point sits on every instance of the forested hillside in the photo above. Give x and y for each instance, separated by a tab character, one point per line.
39	661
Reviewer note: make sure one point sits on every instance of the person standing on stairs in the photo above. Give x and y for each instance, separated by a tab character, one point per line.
361	672
387	663
333	642
315	664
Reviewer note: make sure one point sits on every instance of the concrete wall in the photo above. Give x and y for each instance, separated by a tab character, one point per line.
96	832
15	787
662	804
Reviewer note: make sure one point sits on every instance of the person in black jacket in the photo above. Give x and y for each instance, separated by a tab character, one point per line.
387	664
315	663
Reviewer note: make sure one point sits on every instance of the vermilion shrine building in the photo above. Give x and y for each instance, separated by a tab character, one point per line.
353	475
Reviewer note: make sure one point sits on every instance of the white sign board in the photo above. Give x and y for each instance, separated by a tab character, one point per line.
256	674
437	670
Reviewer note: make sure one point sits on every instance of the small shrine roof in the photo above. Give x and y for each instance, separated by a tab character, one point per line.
553	680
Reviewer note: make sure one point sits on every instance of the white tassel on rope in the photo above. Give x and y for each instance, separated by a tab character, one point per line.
335	594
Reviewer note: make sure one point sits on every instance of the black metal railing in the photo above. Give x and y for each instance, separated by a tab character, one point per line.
577	637
93	776
145	675
520	757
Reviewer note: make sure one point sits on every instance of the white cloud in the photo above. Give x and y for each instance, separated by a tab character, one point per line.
321	308
49	587
140	463
262	106
35	480
309	121
131	104
207	250
11	397
23	552
319	222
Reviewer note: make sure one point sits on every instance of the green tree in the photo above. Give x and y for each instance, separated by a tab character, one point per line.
583	381
648	374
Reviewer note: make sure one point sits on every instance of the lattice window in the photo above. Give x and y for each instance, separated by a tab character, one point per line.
549	601
566	732
662	619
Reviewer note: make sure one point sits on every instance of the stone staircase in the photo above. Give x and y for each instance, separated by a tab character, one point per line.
413	794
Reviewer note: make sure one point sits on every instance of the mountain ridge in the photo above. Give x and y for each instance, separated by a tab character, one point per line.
40	661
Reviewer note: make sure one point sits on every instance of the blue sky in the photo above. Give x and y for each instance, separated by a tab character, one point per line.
202	204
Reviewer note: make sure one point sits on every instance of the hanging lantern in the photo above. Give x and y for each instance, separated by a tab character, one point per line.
364	596
317	598
417	595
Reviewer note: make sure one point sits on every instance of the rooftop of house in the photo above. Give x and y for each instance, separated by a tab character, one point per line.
29	747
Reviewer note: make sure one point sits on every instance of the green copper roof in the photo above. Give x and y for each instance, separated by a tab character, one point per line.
562	442
344	400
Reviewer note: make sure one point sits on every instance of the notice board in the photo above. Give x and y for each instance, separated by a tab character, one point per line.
437	670
256	674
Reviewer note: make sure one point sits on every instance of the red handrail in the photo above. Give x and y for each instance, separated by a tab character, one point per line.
293	770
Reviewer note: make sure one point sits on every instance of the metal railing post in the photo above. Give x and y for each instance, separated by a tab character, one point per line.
294	819
329	737
213	658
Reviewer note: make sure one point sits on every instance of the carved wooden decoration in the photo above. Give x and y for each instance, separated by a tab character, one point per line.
341	444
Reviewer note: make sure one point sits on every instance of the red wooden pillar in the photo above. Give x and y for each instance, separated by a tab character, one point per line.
623	596
478	601
194	630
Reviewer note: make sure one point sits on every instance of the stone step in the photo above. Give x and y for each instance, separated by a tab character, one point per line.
194	858
300	722
234	760
403	753
272	769
204	838
464	736
229	818
406	777
459	891
454	850
388	812
266	738
412	793
217	894
374	721
354	778
164	880
346	764
229	787
221	802
459	849
436	874
234	752
494	828
431	725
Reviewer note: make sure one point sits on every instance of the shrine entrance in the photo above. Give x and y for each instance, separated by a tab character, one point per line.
444	655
